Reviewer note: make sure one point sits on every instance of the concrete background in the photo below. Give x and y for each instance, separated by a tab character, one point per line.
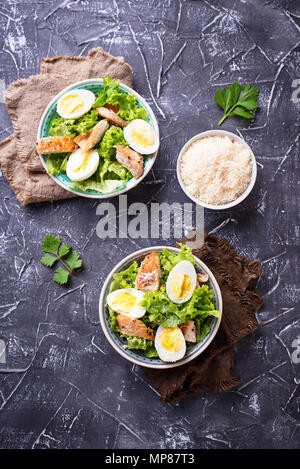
62	385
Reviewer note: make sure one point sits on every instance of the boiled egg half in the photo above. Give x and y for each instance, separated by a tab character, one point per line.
75	103
181	282
169	343
82	164
126	301
141	137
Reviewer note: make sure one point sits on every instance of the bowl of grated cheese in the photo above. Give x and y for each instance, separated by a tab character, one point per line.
216	169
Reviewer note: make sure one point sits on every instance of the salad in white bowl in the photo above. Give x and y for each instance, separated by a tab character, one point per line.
160	307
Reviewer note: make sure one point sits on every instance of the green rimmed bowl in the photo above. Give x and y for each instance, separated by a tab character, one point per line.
95	85
137	357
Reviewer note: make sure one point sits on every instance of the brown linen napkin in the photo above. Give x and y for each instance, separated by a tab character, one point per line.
26	101
212	370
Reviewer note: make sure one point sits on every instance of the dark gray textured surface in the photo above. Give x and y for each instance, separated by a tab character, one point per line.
64	387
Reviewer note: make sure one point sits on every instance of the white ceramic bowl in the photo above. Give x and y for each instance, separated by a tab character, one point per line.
95	84
210	133
137	357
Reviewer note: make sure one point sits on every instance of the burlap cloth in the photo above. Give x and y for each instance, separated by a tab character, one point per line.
212	370
26	101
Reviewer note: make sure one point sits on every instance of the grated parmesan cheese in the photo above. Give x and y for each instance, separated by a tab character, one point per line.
216	169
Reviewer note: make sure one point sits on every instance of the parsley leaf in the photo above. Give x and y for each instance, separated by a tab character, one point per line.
48	260
64	250
248	98
240	111
61	276
219	99
237	100
51	245
73	260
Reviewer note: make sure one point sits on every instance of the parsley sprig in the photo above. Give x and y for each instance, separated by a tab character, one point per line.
237	100
62	253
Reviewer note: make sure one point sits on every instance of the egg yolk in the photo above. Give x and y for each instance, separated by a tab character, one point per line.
71	103
181	286
171	339
83	162
143	136
124	302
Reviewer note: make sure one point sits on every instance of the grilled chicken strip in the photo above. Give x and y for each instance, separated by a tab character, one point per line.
112	107
149	273
81	139
131	160
55	145
189	331
111	116
202	278
94	135
131	326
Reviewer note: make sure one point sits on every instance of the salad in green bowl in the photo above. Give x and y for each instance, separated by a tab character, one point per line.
98	138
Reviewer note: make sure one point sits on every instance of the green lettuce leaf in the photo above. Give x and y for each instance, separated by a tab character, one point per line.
112	319
151	351
169	259
88	184
56	163
199	305
203	328
91	184
118	171
129	107
87	122
109	92
139	343
162	311
74	127
126	278
108	168
113	136
63	127
63	166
